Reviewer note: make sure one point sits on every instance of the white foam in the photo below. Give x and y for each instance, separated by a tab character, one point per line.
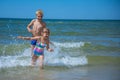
57	58
68	61
53	58
12	61
23	59
70	44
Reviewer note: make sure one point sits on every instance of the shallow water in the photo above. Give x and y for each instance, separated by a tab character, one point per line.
96	69
84	50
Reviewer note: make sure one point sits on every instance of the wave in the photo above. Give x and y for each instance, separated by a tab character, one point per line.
69	44
68	61
52	59
13	49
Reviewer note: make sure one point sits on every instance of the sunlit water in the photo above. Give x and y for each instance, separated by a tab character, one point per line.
84	50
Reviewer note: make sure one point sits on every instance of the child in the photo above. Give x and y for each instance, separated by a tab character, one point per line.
42	42
37	26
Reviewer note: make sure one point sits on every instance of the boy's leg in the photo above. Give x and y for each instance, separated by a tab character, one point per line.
34	57
33	43
41	58
32	48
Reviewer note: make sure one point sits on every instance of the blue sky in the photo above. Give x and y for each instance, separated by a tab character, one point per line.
61	9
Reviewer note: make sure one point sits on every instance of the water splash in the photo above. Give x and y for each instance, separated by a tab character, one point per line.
60	59
56	58
70	44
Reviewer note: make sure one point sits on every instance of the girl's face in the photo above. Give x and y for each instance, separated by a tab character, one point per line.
46	31
45	35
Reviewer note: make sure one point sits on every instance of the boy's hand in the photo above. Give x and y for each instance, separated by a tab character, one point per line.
30	30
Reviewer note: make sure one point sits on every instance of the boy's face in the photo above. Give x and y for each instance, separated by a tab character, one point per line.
39	16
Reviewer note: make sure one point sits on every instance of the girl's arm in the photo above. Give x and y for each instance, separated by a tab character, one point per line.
49	49
29	38
52	44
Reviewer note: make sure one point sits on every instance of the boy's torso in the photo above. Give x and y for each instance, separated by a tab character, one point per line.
37	28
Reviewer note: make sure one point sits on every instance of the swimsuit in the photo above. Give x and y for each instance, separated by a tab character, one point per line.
33	42
39	49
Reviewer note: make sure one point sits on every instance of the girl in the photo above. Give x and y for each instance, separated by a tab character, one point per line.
42	42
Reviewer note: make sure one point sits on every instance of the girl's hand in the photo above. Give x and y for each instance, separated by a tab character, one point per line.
19	37
50	50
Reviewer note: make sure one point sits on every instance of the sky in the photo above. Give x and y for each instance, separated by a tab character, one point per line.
61	9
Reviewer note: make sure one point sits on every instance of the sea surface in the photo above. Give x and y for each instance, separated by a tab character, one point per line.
84	50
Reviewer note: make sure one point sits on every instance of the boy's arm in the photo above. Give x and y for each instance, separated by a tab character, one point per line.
29	26
44	24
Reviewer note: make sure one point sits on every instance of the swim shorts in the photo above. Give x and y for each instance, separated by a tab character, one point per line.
33	42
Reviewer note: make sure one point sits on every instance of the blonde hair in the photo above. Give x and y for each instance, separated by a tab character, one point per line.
39	12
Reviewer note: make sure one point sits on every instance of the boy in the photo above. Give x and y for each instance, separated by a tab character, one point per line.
37	26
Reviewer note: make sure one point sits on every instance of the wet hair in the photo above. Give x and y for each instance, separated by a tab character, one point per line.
46	30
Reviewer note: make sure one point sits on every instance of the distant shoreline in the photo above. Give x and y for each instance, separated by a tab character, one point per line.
64	19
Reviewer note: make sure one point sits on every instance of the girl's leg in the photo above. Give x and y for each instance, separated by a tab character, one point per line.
41	58
34	58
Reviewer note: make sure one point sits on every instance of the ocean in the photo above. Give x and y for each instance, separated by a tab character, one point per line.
84	50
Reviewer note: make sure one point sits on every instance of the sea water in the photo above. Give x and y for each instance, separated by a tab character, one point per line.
83	50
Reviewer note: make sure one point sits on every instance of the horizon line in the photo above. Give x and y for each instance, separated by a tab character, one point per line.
59	19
